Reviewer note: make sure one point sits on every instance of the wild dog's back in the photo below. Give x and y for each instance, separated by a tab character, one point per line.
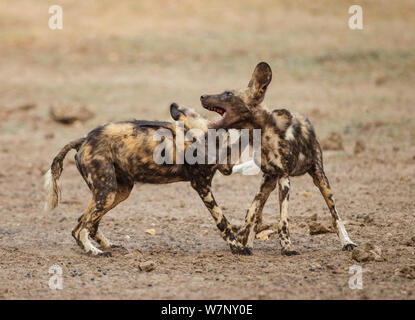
130	146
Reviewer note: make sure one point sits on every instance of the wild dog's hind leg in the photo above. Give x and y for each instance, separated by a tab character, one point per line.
104	189
205	193
84	229
283	232
81	220
321	181
124	189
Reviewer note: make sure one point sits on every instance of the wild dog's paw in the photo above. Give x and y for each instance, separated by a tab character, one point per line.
289	252
94	252
241	250
106	254
349	247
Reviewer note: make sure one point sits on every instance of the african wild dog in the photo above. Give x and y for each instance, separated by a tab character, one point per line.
289	147
114	156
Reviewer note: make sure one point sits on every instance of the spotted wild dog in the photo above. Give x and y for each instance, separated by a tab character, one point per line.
289	147
114	156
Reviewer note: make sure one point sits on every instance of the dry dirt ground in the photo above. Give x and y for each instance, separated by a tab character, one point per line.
131	60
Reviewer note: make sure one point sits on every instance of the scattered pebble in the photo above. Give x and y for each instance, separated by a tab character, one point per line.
264	235
380	80
25	107
359	147
151	232
355	223
70	115
334	141
368	219
4	113
318	228
147	266
306	194
406	272
49	136
367	252
411	242
220	277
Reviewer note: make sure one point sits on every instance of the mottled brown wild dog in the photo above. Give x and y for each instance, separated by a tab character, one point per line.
114	156
289	147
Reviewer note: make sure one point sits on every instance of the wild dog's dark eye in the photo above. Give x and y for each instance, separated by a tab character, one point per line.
229	93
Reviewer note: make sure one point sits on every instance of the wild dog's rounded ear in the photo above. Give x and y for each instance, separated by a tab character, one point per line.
261	78
174	111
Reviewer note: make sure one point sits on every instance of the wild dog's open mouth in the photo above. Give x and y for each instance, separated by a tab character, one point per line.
218	123
219	110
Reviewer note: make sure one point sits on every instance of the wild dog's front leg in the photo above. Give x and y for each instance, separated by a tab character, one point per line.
222	223
321	181
283	232
254	215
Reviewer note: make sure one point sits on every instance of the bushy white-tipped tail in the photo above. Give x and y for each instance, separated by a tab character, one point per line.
52	191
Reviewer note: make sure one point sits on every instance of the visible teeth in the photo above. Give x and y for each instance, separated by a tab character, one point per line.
218	110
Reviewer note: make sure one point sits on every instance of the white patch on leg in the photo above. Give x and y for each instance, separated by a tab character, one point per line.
344	237
284	210
88	246
284	183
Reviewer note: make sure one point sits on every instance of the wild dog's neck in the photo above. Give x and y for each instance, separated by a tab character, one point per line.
261	118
